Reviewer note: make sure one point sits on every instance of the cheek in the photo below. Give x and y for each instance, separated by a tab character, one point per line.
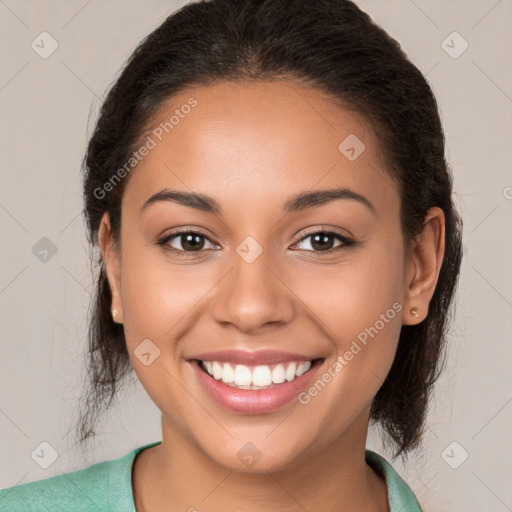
160	297
159	301
358	306
351	296
371	318
359	309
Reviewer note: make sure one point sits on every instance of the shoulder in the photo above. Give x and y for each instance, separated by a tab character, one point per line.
400	495
89	489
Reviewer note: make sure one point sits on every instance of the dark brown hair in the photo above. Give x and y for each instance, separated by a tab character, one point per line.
330	45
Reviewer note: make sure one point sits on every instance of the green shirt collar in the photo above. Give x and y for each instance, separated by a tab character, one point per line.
400	496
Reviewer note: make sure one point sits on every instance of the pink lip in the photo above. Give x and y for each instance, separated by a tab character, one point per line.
252	358
254	401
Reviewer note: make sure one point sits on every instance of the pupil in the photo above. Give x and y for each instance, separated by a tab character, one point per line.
190	240
319	240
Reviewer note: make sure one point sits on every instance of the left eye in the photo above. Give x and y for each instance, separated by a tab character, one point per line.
321	239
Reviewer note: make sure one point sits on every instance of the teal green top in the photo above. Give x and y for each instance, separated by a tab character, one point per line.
107	486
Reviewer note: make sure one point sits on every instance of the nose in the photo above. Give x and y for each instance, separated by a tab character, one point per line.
252	296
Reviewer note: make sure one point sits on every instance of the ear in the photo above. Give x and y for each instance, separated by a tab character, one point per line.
423	266
112	259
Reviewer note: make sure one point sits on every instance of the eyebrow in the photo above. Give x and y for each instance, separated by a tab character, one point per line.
294	204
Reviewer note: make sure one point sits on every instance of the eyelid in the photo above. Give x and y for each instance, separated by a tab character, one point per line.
347	241
324	229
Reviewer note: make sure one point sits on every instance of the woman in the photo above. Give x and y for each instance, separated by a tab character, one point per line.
278	247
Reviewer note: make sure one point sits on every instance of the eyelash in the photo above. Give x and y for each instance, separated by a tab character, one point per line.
346	242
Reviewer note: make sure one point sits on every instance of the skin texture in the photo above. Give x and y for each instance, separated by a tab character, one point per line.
252	147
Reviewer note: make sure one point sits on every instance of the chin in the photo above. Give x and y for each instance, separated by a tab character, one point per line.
253	457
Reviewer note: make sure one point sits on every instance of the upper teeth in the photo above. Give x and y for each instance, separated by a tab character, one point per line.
258	376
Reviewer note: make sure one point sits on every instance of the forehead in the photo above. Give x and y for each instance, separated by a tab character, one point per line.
258	142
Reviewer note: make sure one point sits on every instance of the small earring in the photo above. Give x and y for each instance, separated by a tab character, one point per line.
114	313
414	312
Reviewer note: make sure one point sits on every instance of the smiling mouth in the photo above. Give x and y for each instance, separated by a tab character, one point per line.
254	377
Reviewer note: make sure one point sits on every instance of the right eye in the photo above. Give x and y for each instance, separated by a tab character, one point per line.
191	241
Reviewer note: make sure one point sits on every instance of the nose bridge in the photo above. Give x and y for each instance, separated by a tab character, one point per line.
252	295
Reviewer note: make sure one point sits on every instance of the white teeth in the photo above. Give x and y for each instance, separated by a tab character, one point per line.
228	374
261	376
217	370
278	374
242	375
303	368
290	372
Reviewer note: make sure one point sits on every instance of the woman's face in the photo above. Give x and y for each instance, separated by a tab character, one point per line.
266	279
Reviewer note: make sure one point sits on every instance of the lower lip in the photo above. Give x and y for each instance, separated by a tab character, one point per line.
254	401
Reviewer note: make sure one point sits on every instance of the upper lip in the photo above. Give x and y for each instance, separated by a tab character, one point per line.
252	357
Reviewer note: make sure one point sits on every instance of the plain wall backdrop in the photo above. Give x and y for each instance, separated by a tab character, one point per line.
48	105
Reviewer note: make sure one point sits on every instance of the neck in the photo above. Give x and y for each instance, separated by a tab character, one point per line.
335	478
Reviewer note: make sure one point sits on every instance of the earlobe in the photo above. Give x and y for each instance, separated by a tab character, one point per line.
110	257
425	260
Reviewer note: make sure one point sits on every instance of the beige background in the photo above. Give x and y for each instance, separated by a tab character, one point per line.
47	108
